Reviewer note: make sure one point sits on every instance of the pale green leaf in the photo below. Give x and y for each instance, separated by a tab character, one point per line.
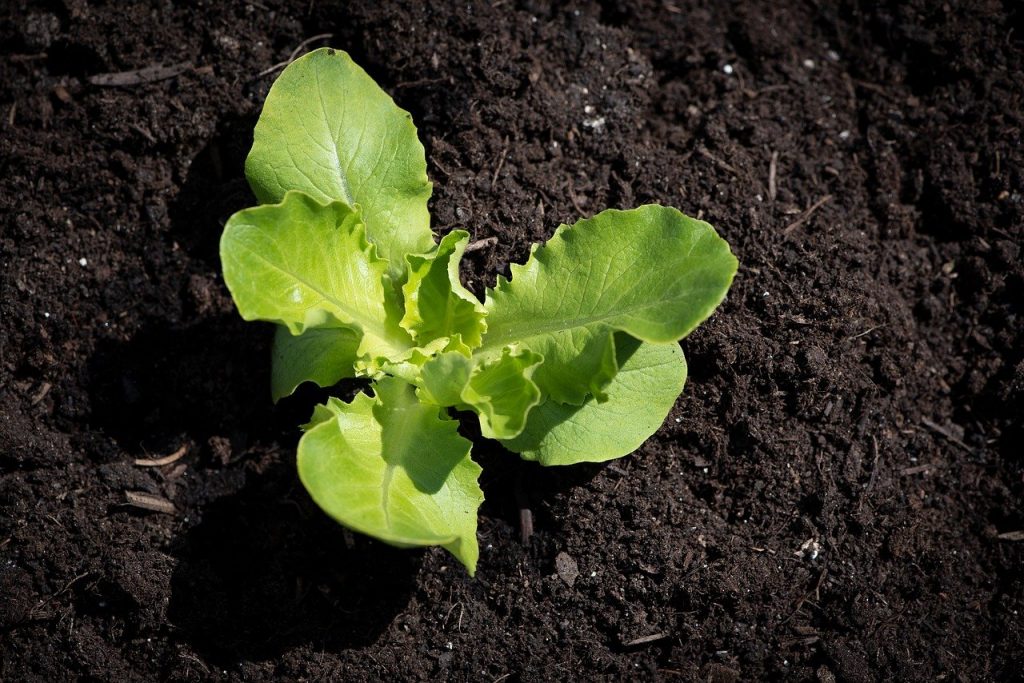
442	379
327	129
306	265
436	303
395	469
320	355
326	411
651	272
639	398
501	391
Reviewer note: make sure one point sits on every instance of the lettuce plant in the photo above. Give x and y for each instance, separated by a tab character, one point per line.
573	359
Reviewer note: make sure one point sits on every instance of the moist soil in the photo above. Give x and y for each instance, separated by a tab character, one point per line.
836	496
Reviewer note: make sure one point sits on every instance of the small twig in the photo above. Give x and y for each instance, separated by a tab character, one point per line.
574	199
10	114
806	215
62	591
646	639
307	41
480	244
271	69
917	469
149	74
44	389
166	460
451	609
27	58
703	151
806	596
295	53
872	87
868	331
874	473
525	513
146	501
772	171
420	81
525	524
1012	535
143	132
501	162
767	89
944	432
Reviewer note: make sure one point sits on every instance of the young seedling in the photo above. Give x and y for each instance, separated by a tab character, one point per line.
573	359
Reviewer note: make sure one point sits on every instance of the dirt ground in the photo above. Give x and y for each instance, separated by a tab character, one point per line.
837	496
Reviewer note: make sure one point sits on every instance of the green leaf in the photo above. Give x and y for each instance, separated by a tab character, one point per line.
436	303
393	468
327	129
306	265
323	356
651	272
442	379
501	391
639	398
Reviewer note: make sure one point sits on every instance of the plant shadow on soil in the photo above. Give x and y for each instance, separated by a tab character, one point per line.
262	573
169	384
262	570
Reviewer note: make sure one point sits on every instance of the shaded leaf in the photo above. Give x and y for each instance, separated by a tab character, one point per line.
639	398
500	391
323	356
436	303
394	468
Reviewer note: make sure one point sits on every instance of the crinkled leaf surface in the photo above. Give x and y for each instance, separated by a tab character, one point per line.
394	468
327	129
650	271
639	398
321	355
442	378
500	391
305	265
436	303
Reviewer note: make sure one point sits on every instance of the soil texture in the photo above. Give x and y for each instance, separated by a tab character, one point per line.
837	496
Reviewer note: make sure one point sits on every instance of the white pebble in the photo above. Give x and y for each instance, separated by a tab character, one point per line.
83	262
727	68
809	63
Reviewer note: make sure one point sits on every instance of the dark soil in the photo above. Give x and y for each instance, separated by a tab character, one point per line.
834	497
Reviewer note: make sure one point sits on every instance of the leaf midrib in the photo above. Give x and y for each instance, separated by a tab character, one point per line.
401	429
343	182
549	326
